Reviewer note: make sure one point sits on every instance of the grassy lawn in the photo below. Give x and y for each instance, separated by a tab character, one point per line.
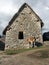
37	52
14	51
32	56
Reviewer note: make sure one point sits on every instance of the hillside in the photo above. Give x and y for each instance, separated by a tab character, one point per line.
36	56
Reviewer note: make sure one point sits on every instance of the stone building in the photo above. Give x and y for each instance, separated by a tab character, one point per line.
24	24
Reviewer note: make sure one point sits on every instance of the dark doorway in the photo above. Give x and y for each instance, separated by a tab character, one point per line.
20	36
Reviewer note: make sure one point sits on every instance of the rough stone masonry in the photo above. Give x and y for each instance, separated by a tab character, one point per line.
24	24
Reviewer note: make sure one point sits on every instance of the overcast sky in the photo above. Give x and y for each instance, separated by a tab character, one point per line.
9	7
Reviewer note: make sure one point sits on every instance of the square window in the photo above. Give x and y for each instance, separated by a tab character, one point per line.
20	35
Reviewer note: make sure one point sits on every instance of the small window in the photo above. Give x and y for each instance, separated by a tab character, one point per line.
20	35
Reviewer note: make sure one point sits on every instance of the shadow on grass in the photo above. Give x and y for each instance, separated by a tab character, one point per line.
41	54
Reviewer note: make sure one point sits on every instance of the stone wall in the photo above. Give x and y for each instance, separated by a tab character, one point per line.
29	24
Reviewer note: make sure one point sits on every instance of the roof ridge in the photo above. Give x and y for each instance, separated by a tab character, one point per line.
17	14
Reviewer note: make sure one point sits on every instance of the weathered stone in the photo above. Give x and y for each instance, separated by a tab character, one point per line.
26	22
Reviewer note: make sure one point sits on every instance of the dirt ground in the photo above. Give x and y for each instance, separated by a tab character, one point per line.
22	59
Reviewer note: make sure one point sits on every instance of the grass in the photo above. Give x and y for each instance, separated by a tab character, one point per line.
44	54
15	51
40	54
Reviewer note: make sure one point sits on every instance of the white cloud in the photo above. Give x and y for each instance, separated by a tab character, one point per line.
9	7
47	8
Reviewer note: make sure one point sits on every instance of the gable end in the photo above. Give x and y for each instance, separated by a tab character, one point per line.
17	14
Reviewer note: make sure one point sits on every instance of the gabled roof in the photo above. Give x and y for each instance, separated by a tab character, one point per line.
17	14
